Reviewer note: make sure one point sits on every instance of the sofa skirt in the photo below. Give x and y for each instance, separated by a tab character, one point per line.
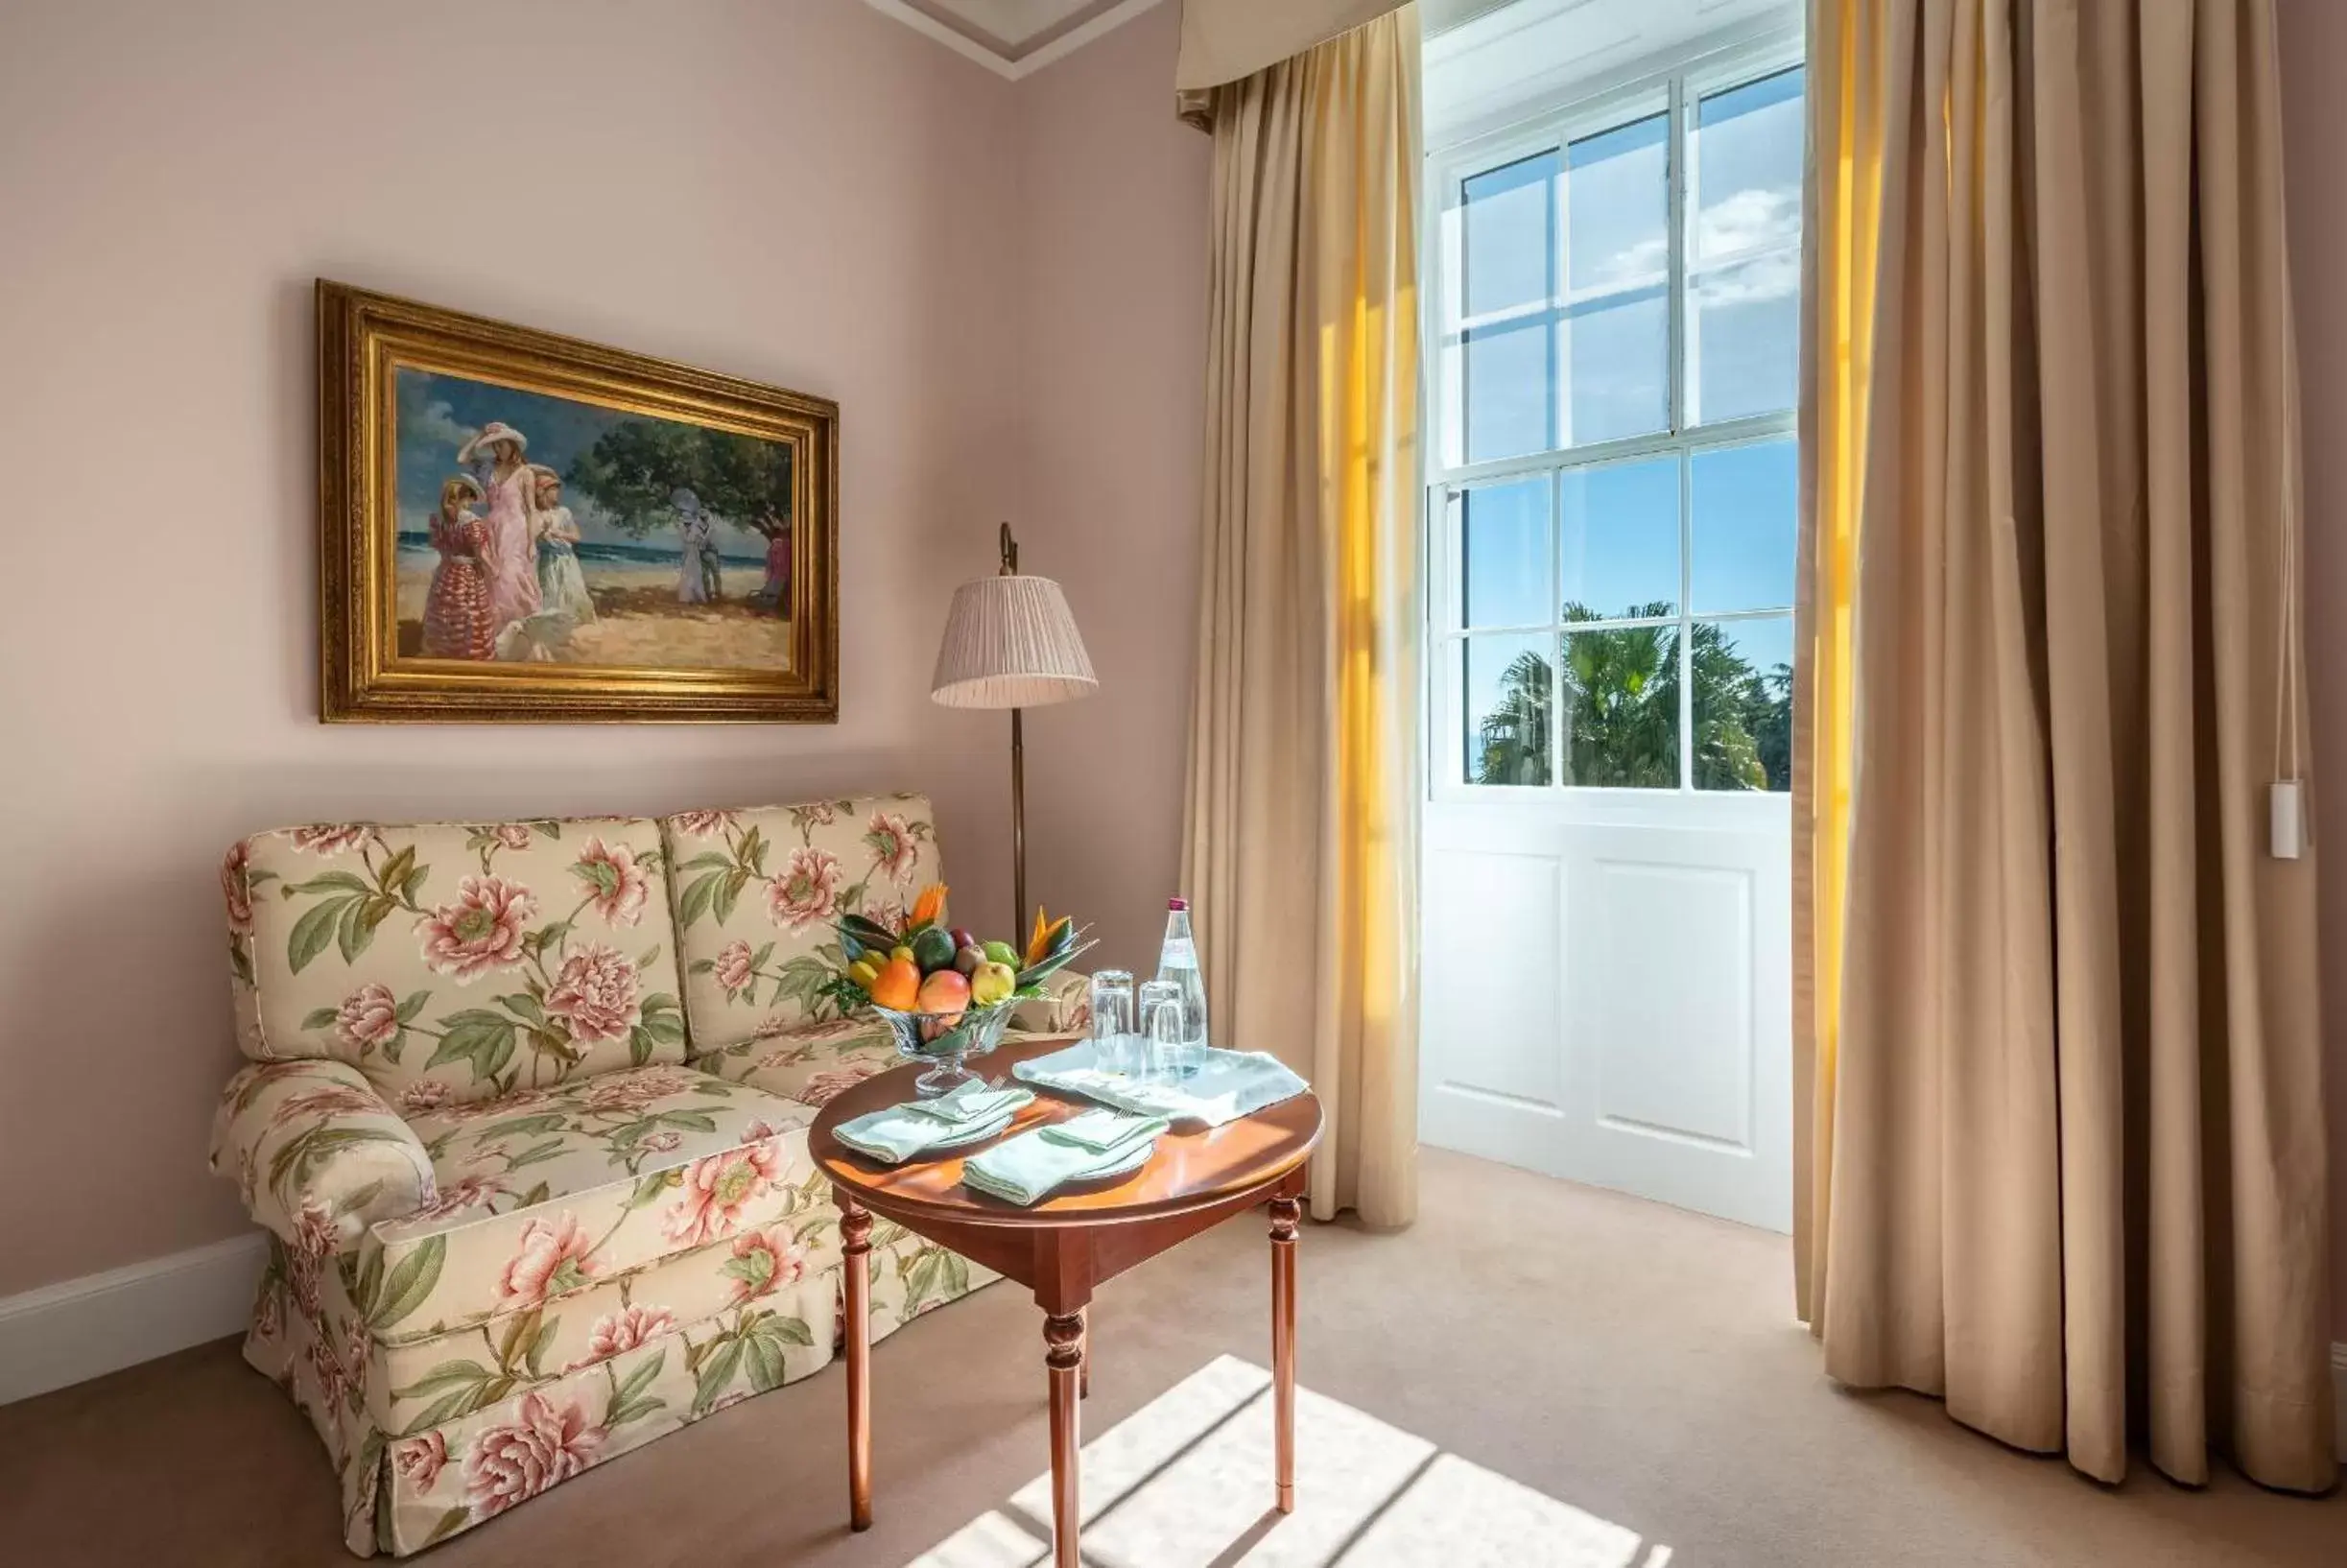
402	1492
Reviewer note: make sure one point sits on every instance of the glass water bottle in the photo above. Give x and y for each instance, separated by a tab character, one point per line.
1177	963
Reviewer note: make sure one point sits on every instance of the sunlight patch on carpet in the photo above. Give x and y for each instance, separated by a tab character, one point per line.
1185	1481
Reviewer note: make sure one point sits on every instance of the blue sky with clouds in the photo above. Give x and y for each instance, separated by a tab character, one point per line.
1568	343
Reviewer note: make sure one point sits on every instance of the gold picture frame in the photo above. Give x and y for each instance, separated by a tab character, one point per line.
480	607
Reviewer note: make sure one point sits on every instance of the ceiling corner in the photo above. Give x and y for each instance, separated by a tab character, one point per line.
1013	39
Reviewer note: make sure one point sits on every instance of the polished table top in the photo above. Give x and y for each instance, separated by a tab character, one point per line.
1192	1169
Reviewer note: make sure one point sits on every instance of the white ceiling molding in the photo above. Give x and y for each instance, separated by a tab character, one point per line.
1489	65
1013	39
1441	16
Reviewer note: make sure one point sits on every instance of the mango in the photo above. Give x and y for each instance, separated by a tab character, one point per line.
994	982
898	986
945	993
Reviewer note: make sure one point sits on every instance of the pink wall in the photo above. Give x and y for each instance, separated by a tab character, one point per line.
2313	48
1113	268
800	191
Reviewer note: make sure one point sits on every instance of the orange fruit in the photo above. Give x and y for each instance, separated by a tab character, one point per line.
899	986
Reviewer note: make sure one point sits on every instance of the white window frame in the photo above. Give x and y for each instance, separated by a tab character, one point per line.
1675	85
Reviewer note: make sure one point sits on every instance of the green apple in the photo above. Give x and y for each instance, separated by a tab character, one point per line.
994	982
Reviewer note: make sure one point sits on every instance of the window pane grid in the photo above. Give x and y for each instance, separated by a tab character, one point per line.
1775	612
1677	264
1686	569
1638	672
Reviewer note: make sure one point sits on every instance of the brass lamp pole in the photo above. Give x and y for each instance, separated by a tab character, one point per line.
1018	773
1011	642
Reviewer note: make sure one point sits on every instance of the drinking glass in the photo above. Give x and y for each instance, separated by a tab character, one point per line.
1165	1028
1116	1046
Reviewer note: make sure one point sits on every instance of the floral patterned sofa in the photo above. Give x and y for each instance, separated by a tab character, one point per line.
526	1119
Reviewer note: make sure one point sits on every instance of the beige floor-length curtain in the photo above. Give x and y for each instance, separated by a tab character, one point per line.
2063	1155
1299	844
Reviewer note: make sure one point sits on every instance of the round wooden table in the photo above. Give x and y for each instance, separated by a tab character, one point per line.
1066	1245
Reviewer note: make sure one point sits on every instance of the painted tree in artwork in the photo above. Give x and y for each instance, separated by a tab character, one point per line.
634	467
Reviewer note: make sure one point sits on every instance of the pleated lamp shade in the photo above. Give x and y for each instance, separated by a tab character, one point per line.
1010	643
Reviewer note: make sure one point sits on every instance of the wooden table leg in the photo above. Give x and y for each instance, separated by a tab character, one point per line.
1084	1373
1063	1340
1285	1212
856	1239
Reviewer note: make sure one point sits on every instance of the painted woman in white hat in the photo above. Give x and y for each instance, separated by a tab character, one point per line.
512	519
561	585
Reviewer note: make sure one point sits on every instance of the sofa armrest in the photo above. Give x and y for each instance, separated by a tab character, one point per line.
1065	1007
317	1153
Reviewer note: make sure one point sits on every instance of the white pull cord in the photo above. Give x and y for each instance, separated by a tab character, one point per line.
2288	822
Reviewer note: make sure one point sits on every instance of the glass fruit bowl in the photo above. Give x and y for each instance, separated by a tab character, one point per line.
946	1040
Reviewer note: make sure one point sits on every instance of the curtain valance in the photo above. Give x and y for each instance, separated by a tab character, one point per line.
1223	40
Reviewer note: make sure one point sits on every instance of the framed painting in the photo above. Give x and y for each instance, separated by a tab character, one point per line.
516	526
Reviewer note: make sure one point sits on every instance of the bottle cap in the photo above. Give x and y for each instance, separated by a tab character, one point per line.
1177	904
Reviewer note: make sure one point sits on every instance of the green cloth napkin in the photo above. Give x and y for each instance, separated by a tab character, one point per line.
1102	1131
1026	1168
896	1133
968	1104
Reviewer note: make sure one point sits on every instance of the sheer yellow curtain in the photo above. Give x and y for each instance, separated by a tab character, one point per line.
1838	291
1300	843
2062	1151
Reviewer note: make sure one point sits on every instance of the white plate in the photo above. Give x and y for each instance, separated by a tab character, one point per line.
1123	1166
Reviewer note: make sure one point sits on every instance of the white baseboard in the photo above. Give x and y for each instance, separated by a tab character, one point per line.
99	1323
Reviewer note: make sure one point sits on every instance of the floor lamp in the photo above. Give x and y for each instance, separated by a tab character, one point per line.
1010	643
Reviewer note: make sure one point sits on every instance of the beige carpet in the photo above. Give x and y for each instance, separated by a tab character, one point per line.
1562	1376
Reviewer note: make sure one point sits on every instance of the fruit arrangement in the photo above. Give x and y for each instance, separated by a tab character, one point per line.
952	985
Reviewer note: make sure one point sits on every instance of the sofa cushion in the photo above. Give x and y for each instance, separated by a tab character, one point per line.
813	1062
454	963
545	1193
809	1064
757	892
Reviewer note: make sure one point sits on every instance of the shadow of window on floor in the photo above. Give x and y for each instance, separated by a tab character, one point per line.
1185	1481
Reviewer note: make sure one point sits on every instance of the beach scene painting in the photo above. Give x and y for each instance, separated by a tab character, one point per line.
515	525
535	528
